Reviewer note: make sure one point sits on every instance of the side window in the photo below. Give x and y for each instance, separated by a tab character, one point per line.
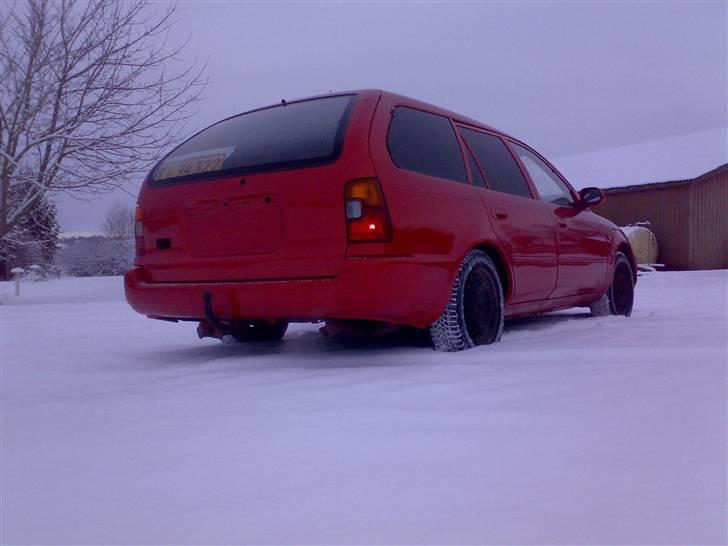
550	187
501	168
425	143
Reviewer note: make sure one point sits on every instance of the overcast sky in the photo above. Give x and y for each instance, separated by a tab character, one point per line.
565	77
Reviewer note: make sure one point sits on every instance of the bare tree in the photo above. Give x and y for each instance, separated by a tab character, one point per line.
119	221
90	96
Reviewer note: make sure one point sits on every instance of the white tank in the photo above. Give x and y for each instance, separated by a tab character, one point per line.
644	243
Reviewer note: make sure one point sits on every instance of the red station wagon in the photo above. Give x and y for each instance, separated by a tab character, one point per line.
368	209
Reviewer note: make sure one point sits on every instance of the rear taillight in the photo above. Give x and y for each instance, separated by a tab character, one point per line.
367	219
139	231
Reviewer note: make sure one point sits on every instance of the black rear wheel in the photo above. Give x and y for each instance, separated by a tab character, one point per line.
619	298
474	316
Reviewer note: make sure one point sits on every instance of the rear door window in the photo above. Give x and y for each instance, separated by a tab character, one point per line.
425	143
501	169
286	136
548	184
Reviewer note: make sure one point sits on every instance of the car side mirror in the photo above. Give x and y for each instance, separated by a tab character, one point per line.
591	197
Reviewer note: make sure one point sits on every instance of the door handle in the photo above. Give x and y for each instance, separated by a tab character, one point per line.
563	225
501	214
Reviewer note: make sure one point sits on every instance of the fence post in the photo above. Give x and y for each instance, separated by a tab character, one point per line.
16	272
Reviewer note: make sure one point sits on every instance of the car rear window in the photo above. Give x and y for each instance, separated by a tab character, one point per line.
425	143
501	170
285	136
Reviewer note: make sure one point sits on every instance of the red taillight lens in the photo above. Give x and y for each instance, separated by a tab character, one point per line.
367	219
139	231
372	226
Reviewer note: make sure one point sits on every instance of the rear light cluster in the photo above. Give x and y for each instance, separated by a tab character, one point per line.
139	231
367	219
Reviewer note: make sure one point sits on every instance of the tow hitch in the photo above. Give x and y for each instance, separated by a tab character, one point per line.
237	331
213	326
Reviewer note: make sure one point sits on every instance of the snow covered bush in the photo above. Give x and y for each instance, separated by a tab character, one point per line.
41	272
95	256
31	241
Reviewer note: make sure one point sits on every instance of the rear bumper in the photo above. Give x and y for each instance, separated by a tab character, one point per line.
400	290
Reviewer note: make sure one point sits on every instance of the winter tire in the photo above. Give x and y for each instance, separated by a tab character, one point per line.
619	297
474	315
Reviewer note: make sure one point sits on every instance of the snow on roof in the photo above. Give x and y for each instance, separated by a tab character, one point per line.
639	187
675	158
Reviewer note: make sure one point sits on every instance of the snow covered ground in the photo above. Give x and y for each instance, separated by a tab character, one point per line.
119	429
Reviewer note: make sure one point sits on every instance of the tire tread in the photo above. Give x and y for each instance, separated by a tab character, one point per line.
448	332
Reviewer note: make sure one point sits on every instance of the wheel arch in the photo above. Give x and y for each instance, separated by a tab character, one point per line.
501	265
499	260
625	248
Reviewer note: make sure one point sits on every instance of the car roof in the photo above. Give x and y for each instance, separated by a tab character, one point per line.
397	98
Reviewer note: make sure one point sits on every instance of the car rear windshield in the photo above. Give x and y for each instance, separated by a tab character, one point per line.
285	136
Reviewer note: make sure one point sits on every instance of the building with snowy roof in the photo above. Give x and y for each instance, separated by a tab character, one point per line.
687	211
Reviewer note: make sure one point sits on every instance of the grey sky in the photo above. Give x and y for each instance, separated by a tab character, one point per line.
565	77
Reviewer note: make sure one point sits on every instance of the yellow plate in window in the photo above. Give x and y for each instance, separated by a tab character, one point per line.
186	167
